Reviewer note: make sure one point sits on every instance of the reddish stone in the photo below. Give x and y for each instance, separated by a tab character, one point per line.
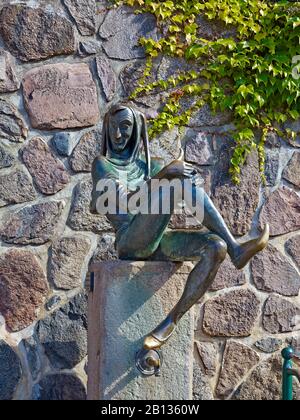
47	171
280	315
272	272
35	33
32	225
23	287
292	171
228	276
292	247
61	96
8	79
236	203
86	151
237	361
231	315
282	211
264	383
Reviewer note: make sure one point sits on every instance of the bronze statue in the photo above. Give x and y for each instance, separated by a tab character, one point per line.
146	236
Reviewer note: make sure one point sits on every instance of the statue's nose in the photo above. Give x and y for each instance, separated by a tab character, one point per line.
118	134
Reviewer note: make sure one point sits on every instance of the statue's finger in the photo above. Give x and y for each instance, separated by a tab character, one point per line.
181	154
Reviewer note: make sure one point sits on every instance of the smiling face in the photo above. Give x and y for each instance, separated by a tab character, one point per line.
121	129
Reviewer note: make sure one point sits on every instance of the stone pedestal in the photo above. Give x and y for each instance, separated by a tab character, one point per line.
129	300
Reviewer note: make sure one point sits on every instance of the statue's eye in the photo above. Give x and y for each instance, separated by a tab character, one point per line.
125	126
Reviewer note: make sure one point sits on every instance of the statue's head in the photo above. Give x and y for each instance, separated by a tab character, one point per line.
120	126
124	133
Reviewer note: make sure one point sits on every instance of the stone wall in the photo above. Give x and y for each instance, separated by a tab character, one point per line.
62	64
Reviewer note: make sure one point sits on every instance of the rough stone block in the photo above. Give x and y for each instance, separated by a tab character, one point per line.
121	43
35	33
282	211
8	79
12	125
61	96
128	301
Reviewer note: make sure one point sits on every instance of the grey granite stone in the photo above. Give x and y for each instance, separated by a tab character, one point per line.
66	262
121	43
63	334
107	77
84	14
63	143
12	124
33	356
80	217
269	345
16	188
10	371
201	388
59	387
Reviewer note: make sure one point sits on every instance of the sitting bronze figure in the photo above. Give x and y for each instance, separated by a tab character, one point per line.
146	236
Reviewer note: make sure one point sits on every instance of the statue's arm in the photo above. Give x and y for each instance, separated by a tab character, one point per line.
99	171
175	169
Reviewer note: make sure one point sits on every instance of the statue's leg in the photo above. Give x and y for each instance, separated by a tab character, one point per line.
211	250
142	237
240	253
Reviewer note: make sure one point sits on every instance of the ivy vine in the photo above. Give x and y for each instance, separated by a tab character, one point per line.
249	73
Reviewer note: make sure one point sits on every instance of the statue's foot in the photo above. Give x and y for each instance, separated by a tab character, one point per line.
158	337
152	343
248	249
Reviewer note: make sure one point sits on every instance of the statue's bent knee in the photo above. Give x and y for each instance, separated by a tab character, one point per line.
218	247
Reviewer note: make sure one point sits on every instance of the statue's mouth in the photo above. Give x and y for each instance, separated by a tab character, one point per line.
119	145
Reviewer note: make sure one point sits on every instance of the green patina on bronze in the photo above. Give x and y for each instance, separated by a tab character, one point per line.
146	236
289	355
